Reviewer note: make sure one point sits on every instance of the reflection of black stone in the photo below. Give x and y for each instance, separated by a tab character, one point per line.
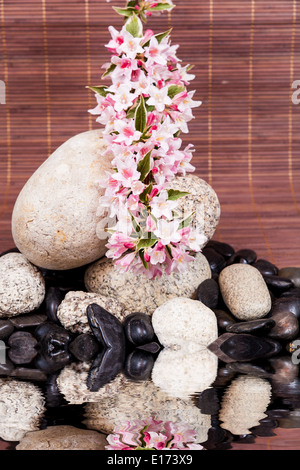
208	402
110	361
139	365
22	347
54	341
6	329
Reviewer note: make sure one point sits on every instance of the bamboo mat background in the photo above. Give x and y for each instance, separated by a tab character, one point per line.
246	55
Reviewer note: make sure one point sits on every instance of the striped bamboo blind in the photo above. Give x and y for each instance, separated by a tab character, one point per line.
246	133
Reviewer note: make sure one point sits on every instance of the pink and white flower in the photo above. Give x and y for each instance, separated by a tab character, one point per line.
159	98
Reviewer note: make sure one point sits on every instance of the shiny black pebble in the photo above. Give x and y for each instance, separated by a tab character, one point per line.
22	347
139	365
84	347
54	297
28	321
259	326
222	248
266	268
7	368
216	261
54	341
245	256
208	293
286	304
138	329
286	326
278	283
106	327
6	329
224	319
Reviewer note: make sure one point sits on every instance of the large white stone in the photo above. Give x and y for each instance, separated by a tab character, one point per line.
55	216
140	294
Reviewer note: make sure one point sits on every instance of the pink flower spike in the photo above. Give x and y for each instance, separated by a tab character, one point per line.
148	13
137	7
153	5
126	261
150	224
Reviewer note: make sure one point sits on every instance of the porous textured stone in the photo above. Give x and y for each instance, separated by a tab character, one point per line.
21	409
183	373
140	400
202	199
54	221
22	286
244	404
141	294
72	310
63	438
181	321
244	291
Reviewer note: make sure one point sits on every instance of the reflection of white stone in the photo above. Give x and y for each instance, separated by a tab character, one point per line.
244	404
21	409
182	373
141	400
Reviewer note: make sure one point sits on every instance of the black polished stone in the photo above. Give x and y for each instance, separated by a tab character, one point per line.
286	326
294	292
216	261
208	293
22	347
106	327
249	369
231	347
54	297
286	304
138	328
139	365
28	320
223	249
265	267
245	256
6	329
259	326
278	283
53	395
224	319
84	347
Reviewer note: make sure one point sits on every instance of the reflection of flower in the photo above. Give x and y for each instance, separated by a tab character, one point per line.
152	434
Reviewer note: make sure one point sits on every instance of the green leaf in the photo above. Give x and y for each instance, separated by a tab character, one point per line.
134	26
173	194
162	6
109	70
145	193
101	90
174	90
125	11
144	166
159	37
187	221
141	116
146	242
141	254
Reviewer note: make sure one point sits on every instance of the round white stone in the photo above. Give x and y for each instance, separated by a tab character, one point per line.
22	286
180	321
